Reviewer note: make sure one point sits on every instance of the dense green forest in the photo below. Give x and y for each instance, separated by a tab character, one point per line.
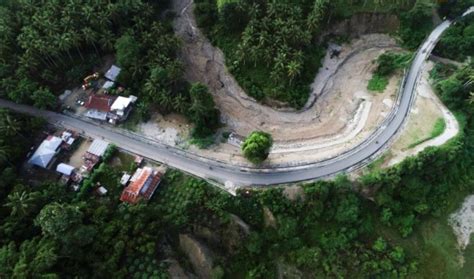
52	45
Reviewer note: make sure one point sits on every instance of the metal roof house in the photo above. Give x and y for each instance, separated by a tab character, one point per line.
46	152
98	147
142	185
65	169
112	73
98	106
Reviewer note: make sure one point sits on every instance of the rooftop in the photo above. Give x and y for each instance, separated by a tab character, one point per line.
121	103
112	73
98	147
45	152
143	184
100	103
65	169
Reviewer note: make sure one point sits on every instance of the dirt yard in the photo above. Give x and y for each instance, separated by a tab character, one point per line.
76	158
172	129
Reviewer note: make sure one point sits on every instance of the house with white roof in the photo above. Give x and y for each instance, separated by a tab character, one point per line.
46	152
120	108
65	169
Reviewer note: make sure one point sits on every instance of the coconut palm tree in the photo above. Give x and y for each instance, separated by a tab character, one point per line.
20	203
9	126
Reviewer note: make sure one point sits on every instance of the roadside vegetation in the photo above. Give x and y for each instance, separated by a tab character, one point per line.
438	129
387	64
256	147
458	41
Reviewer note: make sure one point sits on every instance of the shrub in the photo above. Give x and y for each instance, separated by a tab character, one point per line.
257	146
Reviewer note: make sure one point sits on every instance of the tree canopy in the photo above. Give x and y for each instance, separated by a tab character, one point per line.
256	146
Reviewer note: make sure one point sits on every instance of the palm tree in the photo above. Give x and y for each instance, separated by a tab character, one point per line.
179	104
471	98
294	70
90	36
20	203
5	152
107	40
9	126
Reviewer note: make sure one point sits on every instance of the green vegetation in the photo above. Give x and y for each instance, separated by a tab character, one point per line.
109	152
416	23
268	46
202	111
453	9
458	41
256	147
438	129
377	83
387	64
390	223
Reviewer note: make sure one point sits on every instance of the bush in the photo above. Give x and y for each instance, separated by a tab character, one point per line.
256	146
109	152
377	83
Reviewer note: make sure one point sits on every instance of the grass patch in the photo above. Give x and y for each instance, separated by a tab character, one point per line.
377	83
377	164
132	121
203	143
126	161
387	64
438	129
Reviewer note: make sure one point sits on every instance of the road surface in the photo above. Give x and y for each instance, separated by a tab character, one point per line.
229	174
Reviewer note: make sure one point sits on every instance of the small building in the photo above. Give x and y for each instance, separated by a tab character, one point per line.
65	169
109	108
98	147
121	108
46	152
68	139
93	155
102	191
112	73
108	84
124	179
142	185
98	106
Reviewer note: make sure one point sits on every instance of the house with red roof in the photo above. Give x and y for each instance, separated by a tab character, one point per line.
98	106
142	185
109	108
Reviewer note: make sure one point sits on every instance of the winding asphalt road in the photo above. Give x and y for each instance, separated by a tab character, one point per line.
229	174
